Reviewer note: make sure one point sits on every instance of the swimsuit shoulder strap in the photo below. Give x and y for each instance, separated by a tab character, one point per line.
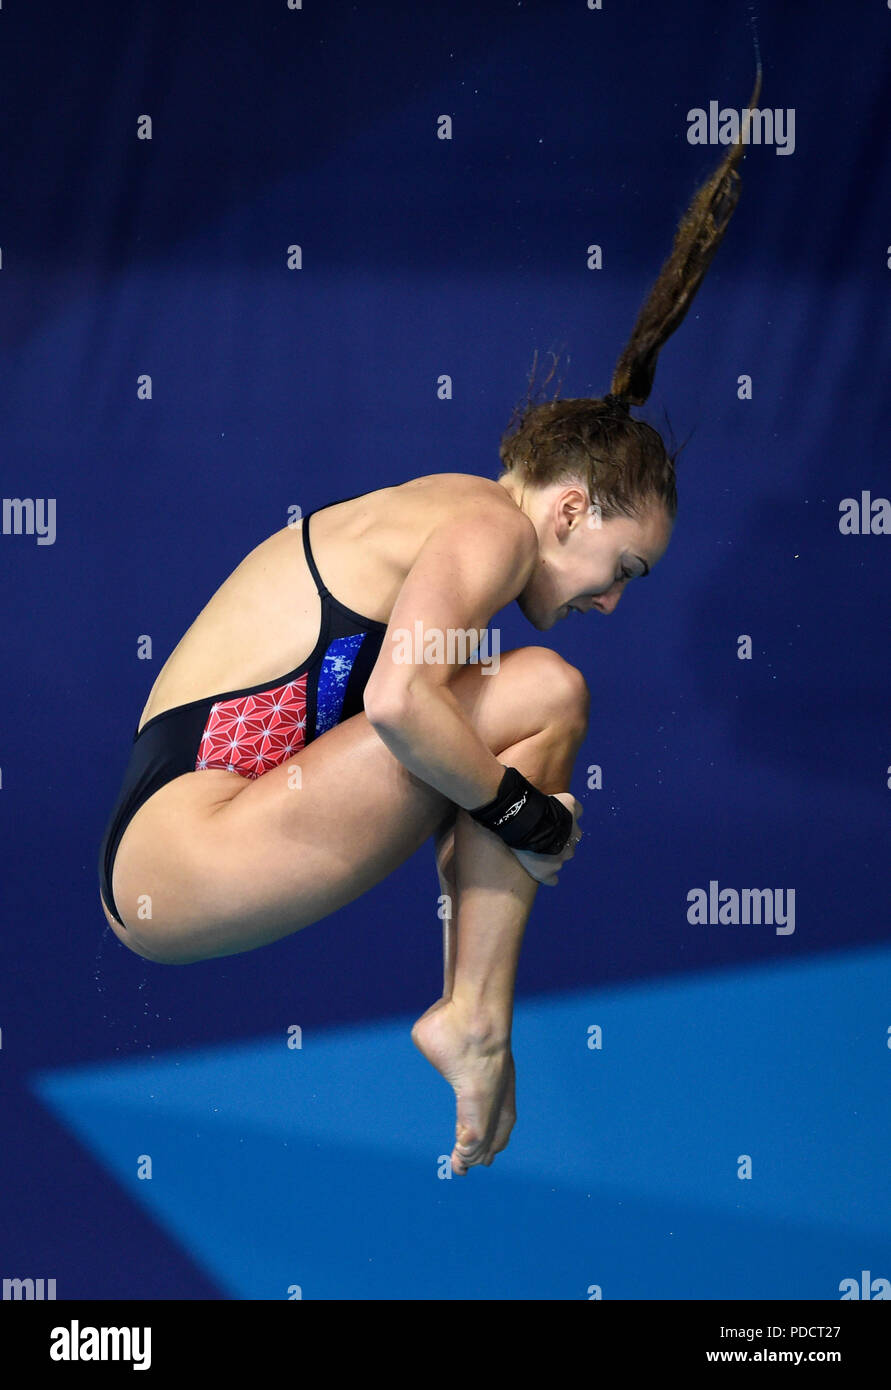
321	589
310	558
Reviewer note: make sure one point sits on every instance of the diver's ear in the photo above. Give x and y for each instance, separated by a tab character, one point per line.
572	507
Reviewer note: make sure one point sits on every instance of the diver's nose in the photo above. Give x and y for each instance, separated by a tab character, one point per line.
608	601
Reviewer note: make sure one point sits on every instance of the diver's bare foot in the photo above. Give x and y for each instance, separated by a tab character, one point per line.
477	1063
506	1118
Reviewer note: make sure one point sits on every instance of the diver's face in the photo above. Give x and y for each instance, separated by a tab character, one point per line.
586	564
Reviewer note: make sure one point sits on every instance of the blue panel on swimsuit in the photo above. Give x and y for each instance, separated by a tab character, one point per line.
333	677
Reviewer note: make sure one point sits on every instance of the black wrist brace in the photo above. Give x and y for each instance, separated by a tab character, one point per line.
525	818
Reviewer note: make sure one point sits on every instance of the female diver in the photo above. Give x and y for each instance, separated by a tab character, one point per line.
255	803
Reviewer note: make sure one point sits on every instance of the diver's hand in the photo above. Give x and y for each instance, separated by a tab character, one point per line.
545	867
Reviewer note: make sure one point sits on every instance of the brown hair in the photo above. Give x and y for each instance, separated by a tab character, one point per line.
624	462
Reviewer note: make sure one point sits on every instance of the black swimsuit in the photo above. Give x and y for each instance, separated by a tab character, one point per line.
252	730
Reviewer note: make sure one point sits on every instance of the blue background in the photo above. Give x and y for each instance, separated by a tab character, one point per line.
274	388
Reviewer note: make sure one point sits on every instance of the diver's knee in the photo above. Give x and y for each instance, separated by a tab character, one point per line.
562	692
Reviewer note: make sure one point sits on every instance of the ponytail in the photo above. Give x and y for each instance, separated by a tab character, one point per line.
699	234
623	461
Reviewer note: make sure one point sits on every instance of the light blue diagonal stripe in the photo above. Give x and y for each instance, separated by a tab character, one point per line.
318	1167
